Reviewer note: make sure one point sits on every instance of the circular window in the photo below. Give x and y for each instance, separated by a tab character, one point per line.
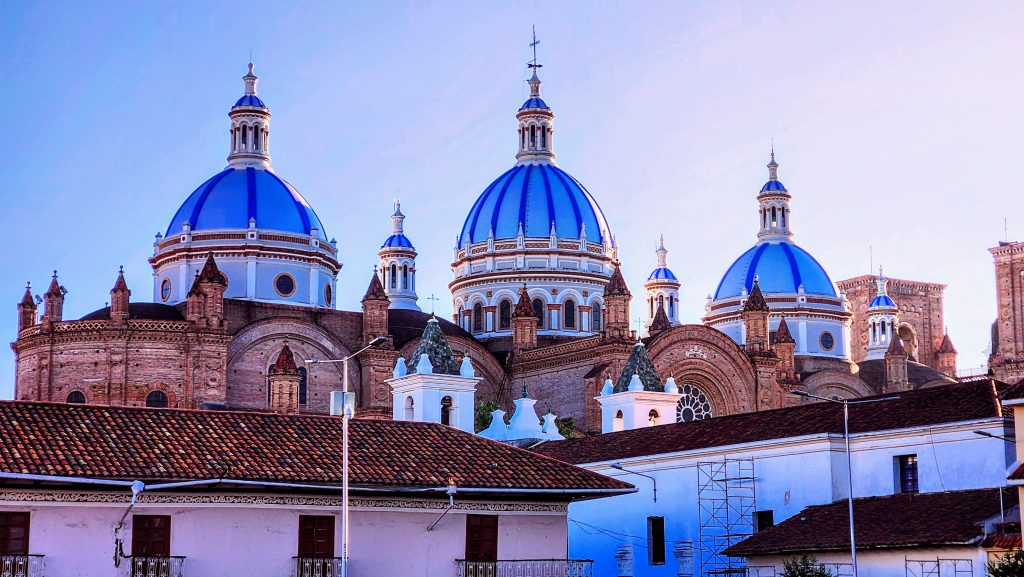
827	341
694	405
328	294
165	289
284	284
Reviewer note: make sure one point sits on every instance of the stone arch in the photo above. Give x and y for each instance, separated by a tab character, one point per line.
832	383
709	359
256	347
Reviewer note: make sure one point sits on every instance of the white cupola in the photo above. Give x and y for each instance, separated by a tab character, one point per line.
774	212
250	127
398	264
662	288
536	122
883	320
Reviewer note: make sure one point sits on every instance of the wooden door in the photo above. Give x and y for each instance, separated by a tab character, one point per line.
482	538
316	535
14	533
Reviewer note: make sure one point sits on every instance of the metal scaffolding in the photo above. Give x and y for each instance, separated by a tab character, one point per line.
940	568
726	504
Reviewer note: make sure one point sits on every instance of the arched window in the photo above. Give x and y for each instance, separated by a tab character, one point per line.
478	318
671	307
538	311
650	301
783	217
775	217
617	422
661	301
157	399
533	137
522	137
462	316
595	317
394	276
405	276
234	139
302	385
76	398
765	219
505	314
446	411
256	137
410	409
653	418
569	314
543	137
245	137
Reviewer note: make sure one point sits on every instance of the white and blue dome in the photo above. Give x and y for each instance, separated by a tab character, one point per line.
781	267
882	301
533	196
773	186
535	103
250	100
233	196
397	241
662	273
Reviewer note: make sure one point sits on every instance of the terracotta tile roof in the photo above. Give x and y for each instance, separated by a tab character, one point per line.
1013	392
1018	473
946	346
170	444
375	290
1006	537
932	406
890	522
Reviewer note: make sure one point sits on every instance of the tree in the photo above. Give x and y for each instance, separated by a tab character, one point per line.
1009	565
483	414
566	427
805	566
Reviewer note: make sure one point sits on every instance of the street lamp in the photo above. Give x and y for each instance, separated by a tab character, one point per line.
345	416
653	480
849	461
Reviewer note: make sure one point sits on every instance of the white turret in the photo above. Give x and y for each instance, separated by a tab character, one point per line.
883	320
774	211
662	290
536	122
250	127
398	264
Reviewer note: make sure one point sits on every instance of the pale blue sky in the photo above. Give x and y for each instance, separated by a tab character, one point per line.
896	125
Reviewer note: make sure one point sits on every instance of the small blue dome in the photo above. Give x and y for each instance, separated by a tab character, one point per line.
397	241
773	186
781	267
535	195
250	100
662	273
535	103
231	197
882	301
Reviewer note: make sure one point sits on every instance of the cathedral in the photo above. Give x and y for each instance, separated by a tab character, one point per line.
245	275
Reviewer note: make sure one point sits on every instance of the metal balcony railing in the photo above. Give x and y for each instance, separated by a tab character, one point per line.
169	566
21	566
317	566
526	568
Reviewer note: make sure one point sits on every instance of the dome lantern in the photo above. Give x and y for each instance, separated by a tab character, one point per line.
250	127
774	211
535	121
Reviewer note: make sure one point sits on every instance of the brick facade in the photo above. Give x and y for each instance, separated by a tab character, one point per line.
1007	357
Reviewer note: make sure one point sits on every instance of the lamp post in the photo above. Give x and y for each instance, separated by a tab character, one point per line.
653	480
849	461
345	416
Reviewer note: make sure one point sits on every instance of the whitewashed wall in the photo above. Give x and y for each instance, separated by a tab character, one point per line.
889	563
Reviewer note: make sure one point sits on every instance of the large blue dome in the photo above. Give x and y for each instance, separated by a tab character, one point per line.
534	195
231	197
781	267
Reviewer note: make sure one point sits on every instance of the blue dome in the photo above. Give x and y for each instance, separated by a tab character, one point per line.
250	100
662	273
781	267
882	301
535	103
397	241
233	196
773	186
534	195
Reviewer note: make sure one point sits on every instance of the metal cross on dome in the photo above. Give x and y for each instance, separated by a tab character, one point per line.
533	63
432	300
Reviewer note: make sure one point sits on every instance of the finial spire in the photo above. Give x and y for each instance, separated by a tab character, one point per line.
534	80
250	81
773	167
661	251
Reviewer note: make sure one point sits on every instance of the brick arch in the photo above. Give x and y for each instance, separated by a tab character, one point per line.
829	383
256	347
708	358
484	363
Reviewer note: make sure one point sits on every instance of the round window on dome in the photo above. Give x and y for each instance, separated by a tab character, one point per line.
328	294
284	284
165	289
827	341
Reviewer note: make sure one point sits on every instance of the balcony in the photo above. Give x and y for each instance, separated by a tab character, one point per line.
317	566
21	566
526	568
154	566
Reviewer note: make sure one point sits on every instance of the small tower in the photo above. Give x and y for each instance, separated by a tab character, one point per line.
375	310
774	212
524	323
784	346
883	320
896	378
755	320
119	300
660	322
945	356
27	309
205	302
284	383
398	264
616	302
638	399
250	128
536	122
433	387
662	288
54	303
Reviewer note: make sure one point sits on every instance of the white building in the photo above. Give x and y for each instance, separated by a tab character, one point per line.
720	480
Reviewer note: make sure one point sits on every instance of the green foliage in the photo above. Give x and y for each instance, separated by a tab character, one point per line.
566	427
805	566
483	414
1009	565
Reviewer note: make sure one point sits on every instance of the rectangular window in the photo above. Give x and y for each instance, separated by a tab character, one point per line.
14	533
151	535
763	520
906	473
482	538
656	540
316	536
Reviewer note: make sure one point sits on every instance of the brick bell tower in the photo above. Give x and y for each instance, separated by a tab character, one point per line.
616	301
284	383
1007	357
376	364
524	324
27	310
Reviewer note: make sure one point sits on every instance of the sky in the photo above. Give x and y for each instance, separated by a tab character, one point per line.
896	126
